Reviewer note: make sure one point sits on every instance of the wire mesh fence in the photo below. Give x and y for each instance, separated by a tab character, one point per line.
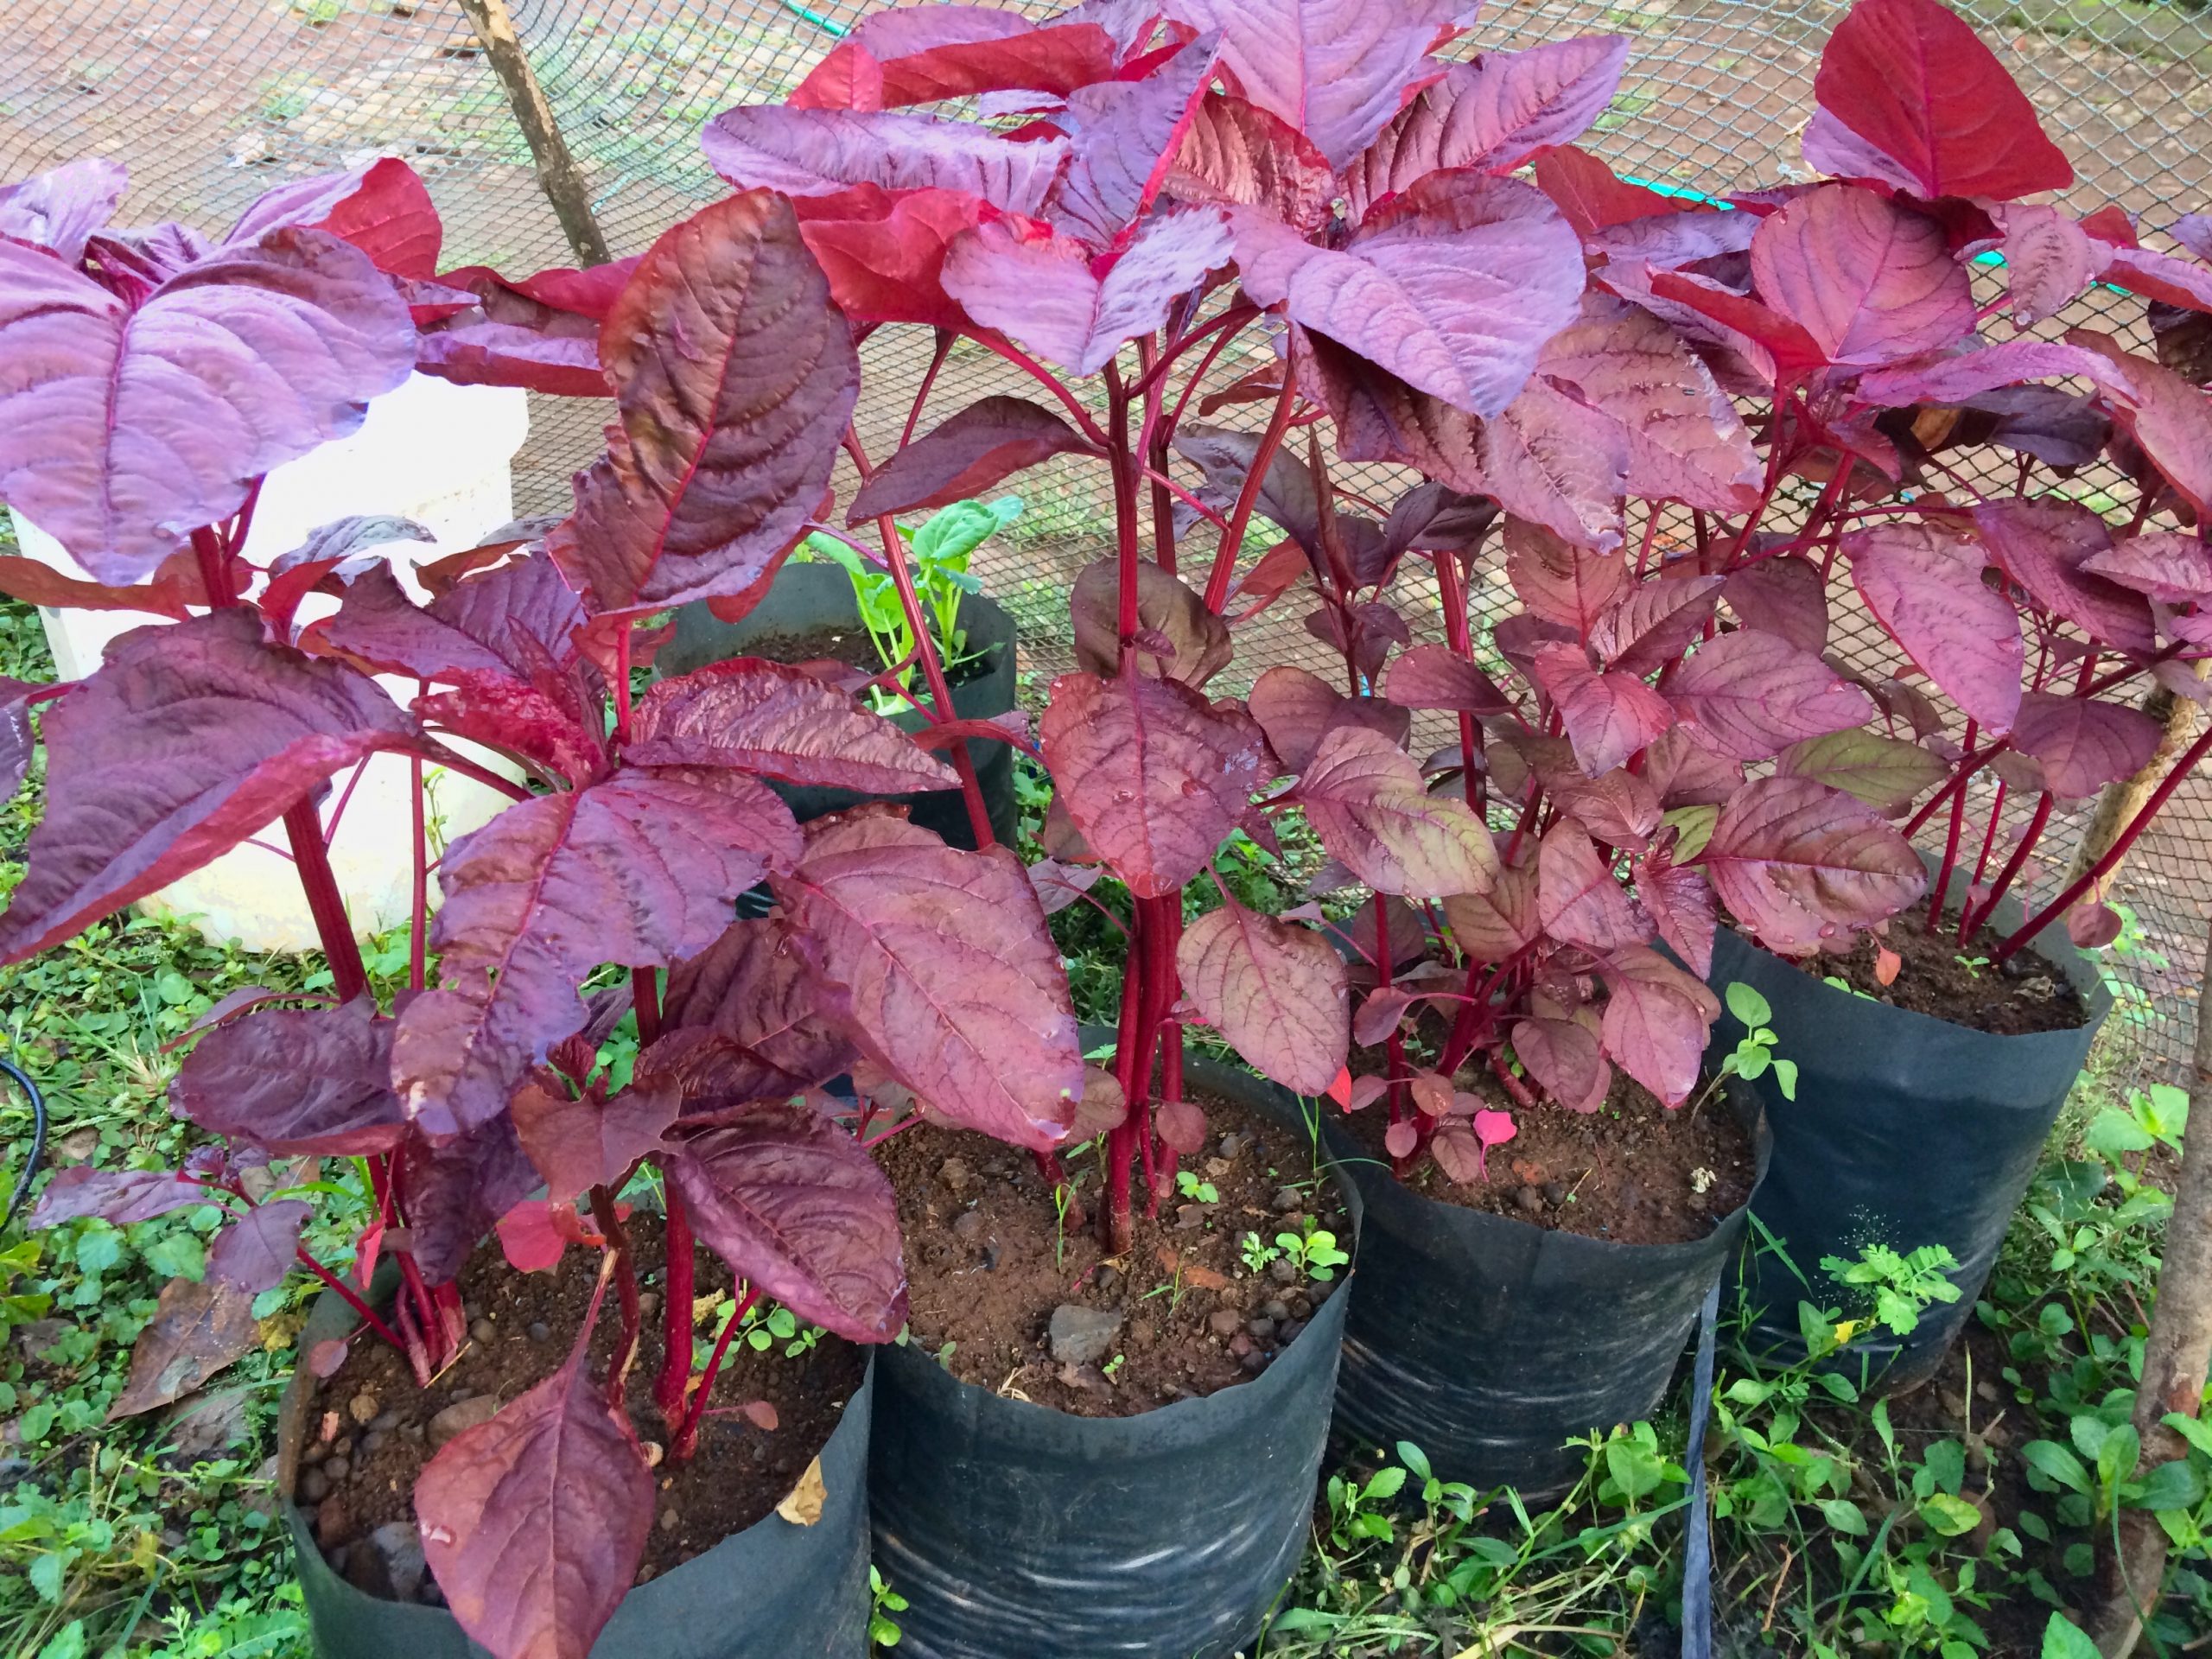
209	102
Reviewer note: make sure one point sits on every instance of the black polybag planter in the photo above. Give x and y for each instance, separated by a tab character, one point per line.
1019	1532
807	597
1488	1342
1907	1130
776	1588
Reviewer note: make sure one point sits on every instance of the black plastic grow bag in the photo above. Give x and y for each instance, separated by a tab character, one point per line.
807	598
1907	1130
776	1588
1489	1342
1018	1532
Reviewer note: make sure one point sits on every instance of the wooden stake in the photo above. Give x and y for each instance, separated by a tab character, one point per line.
558	174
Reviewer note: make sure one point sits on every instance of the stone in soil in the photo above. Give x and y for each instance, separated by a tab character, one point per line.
1082	1336
462	1416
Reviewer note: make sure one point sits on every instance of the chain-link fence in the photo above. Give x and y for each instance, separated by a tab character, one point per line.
209	102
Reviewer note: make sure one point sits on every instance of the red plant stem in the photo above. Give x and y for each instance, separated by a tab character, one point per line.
1777	465
677	1290
1457	635
303	829
2029	837
1122	466
686	1440
1199	374
1152	450
345	1292
622	643
1047	378
625	1287
1161	482
1950	852
1232	319
1642	553
1394	1046
1981	864
1971	764
418	897
345	799
944	339
214	568
418	1293
1232	539
2090	878
1514	1086
438	754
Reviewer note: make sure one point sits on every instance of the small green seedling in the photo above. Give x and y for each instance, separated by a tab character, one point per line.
1903	1286
883	1601
1257	1253
1315	1253
1191	1187
1112	1368
1753	1056
1974	965
763	1331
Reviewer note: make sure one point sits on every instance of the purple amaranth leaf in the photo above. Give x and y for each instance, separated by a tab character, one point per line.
1059	885
734	379
59	209
640	870
2163	565
1559	581
1286	495
1336	70
1609	716
1076	309
1297	709
534	1522
1496	925
801	152
1798	863
1434	517
1276	991
1619	809
2170	419
315	1082
520	721
458	1190
1153	776
1908	95
1872	282
795	1206
1552	462
132	425
1751	695
2049	261
1453	288
2082	744
197	1329
1925	586
1681	903
1491	115
1654	622
1126	135
2194	232
1364	798
2157	276
188	739
1166	609
16	743
751	714
1563	1057
519	619
977	449
1236	154
1580	898
914	55
1687	773
751	992
121	1196
1785	597
1380	417
260	1248
381	208
580	1143
1686	442
1776	348
1883	772
2043	546
540	332
883	252
1956	380
940	963
1657	1021
1435	677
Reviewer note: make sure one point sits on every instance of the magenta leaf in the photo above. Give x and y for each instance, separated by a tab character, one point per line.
1654	622
191	737
2083	745
1751	695
944	968
1580	898
1970	374
750	991
1619	809
540	333
1286	495
751	714
58	210
1126	134
258	1249
2043	546
1168	612
580	1143
1563	1057
1336	70
2171	419
915	55
458	1190
1496	926
1686	442
1609	716
1076	309
1590	195
1491	115
883	252
1453	288
640	870
734	378
1559	582
1908	95
2163	565
1778	348
1236	154
1883	772
977	449
1558	463
795	1206
129	426
295	1081
534	1522
121	1196
2048	260
1925	586
1681	903
1297	709
1656	1022
519	619
1364	796
1797	863
1153	776
1785	597
1275	990
1872	282
198	1328
1181	1125
802	152
1435	677
383	209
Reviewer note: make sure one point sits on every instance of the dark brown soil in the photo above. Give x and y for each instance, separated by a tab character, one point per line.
1628	1172
988	1264
855	648
2004	999
378	1422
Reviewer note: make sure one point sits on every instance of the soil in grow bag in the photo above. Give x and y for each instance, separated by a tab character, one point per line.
371	1429
1945	979
1016	1302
